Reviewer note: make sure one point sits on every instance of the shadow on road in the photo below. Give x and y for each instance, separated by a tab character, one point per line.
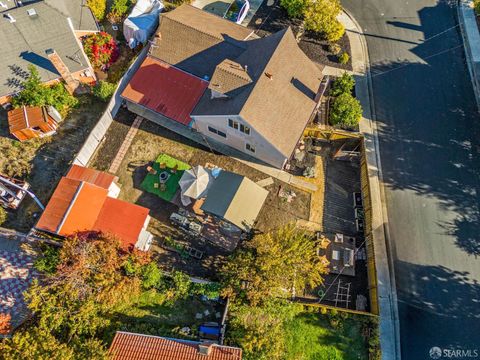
434	140
460	299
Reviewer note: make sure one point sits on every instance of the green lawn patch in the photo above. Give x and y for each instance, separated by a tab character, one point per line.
166	192
313	336
151	313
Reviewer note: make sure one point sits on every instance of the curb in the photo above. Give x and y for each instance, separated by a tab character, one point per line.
387	295
471	42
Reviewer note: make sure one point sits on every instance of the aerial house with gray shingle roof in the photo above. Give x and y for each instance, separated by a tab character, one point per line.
45	34
254	94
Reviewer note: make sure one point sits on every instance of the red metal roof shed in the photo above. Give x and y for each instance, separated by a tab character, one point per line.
165	89
92	176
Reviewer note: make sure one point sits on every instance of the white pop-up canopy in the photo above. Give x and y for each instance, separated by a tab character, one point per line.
195	182
142	21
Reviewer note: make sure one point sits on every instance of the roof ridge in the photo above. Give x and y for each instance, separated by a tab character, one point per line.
70	206
262	71
194	28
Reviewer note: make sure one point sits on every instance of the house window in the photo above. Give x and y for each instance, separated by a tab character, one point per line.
237	126
249	147
217	132
245	129
233	124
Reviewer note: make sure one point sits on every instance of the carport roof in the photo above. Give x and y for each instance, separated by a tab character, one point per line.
165	89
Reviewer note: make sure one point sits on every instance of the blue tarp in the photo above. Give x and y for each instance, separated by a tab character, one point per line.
210	330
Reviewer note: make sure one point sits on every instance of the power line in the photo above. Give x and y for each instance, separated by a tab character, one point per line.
411	63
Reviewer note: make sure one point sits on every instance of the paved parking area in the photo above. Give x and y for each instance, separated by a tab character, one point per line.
16	274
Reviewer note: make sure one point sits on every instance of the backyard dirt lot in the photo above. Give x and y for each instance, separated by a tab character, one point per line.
42	162
152	140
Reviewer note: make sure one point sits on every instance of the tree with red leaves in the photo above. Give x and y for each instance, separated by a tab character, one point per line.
5	324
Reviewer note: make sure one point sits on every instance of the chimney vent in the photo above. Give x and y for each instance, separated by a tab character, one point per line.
32	13
9	17
71	83
205	348
270	76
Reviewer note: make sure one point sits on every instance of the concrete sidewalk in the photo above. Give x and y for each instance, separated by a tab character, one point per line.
387	297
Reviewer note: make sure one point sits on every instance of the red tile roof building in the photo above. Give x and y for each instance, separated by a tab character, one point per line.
130	346
81	202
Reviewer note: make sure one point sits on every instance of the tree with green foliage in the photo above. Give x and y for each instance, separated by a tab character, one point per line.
273	265
259	331
98	8
104	90
3	215
345	111
74	304
342	85
48	261
118	10
181	284
321	16
151	276
35	93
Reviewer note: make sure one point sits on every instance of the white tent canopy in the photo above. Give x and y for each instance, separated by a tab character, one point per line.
142	21
195	182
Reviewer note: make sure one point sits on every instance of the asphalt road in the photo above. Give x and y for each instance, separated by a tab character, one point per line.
429	149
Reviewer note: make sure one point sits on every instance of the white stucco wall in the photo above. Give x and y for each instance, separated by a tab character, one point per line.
236	139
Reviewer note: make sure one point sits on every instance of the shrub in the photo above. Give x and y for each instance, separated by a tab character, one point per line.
104	90
151	276
118	10
98	8
100	48
3	215
294	8
343	58
321	16
210	290
334	48
181	284
346	111
343	85
35	93
335	32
